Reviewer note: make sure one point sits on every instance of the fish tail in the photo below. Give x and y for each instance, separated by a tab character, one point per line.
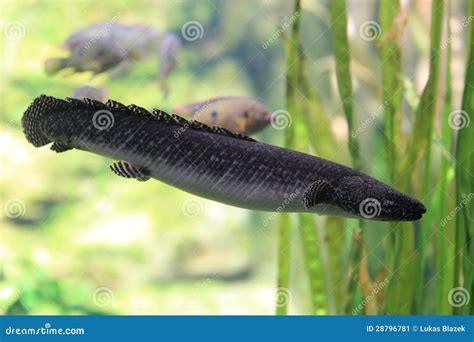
31	120
54	65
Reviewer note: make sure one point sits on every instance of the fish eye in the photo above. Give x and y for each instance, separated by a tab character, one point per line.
246	115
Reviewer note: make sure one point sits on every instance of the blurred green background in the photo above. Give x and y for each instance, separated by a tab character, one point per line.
76	239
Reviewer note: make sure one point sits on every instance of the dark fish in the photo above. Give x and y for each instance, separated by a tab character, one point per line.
236	113
212	162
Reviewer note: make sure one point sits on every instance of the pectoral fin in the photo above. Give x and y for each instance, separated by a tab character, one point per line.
124	169
320	191
58	147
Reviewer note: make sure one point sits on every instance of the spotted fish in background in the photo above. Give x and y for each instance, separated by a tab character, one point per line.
212	162
236	113
170	47
90	92
102	46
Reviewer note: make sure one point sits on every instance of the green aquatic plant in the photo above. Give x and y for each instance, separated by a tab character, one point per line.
464	249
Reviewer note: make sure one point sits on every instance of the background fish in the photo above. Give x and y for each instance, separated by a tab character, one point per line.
103	46
170	47
236	113
90	92
101	56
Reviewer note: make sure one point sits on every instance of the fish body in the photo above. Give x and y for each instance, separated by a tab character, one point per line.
102	46
212	162
236	113
139	40
101	56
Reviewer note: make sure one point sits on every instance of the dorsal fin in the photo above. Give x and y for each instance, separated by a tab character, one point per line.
156	114
199	126
159	115
115	105
94	103
179	120
76	103
141	111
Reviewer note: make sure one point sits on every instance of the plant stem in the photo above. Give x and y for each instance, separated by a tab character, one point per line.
284	247
344	83
464	180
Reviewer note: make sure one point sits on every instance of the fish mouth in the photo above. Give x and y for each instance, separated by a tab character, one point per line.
412	211
415	212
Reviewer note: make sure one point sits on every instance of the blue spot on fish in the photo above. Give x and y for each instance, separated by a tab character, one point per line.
214	115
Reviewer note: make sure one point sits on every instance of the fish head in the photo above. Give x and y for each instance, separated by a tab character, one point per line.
254	118
364	197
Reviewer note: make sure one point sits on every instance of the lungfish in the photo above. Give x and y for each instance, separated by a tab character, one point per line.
212	162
